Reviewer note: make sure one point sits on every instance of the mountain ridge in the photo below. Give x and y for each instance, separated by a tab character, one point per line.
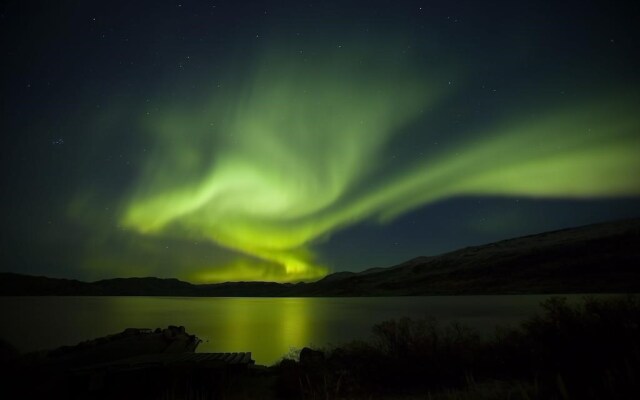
602	257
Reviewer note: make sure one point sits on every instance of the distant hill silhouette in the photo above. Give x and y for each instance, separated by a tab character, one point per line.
590	259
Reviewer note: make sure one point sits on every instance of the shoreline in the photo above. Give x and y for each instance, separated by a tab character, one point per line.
581	342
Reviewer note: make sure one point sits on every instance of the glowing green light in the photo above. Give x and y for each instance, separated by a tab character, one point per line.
283	162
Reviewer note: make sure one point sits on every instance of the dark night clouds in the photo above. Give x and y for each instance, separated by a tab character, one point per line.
215	140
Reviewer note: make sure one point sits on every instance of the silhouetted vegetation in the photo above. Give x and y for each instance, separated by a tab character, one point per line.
589	350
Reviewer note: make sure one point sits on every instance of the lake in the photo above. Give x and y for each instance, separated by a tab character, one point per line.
268	327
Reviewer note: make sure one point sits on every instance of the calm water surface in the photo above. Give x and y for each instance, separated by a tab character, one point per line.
268	327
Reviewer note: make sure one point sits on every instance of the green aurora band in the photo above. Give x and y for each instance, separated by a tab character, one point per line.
300	151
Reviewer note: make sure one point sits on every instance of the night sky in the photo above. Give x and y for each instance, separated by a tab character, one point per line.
232	140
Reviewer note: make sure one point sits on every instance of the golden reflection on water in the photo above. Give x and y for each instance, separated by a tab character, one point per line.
269	328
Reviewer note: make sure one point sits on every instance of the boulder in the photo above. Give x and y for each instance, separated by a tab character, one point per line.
311	358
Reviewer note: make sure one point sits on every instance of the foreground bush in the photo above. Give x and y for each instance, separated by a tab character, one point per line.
589	350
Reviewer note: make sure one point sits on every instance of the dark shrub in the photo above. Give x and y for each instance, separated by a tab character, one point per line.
588	350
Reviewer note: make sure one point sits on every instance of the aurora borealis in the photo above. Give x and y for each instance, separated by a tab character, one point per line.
282	142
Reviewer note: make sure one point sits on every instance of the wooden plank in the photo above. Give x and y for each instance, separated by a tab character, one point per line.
246	359
198	357
234	357
173	359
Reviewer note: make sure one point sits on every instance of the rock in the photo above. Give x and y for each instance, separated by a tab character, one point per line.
311	358
128	343
135	331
